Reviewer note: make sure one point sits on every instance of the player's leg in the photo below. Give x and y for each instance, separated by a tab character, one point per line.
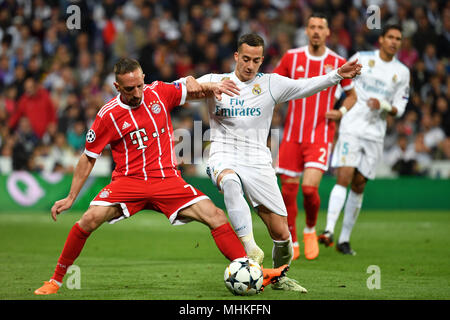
351	212
289	191
207	213
239	212
347	155
337	196
311	203
82	229
290	167
282	251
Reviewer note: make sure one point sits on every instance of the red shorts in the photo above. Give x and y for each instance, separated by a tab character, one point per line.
294	157
168	196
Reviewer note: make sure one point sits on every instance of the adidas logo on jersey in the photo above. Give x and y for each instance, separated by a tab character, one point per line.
125	125
300	68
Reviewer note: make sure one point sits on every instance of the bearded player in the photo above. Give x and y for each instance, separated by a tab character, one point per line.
137	126
309	130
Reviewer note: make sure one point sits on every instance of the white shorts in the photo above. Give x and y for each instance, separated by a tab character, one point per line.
363	154
259	183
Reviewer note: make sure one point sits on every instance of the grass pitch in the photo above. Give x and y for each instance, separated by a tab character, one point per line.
146	258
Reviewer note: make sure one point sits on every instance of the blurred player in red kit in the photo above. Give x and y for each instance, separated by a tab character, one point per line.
137	125
308	132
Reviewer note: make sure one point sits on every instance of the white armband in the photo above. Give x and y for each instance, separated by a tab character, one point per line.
343	110
385	106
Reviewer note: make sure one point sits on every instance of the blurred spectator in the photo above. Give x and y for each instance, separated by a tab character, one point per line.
432	133
61	154
408	54
444	150
429	58
36	105
76	136
401	157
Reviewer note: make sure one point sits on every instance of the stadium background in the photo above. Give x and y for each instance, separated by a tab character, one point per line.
72	72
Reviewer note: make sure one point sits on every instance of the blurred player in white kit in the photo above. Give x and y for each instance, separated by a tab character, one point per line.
382	89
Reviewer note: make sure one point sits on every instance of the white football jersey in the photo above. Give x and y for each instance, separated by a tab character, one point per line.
381	80
240	124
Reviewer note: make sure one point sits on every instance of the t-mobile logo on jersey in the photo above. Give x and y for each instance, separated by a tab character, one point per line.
141	137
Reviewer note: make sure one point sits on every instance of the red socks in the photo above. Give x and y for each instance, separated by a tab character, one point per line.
228	242
72	248
311	202
289	192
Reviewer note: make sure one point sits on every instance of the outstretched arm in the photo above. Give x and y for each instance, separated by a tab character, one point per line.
285	89
81	173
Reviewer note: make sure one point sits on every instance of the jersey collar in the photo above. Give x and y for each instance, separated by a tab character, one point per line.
311	57
125	106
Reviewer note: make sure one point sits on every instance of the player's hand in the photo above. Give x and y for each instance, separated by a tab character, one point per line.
333	115
373	104
194	88
226	86
350	69
60	206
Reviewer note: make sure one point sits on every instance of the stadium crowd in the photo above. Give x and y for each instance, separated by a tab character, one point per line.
54	79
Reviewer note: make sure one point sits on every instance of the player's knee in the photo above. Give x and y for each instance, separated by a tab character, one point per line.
216	218
231	185
358	183
309	191
289	191
91	220
280	231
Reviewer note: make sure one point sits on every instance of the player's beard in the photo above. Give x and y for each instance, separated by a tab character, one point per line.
134	102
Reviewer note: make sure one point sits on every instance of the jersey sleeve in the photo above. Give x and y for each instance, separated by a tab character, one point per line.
98	136
284	89
401	95
282	67
172	94
346	84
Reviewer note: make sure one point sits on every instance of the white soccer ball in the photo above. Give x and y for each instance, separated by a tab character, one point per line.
243	277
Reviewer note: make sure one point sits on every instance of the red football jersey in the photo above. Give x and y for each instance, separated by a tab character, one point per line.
141	138
305	120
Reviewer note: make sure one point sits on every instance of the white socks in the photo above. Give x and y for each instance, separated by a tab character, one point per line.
351	212
335	205
282	252
237	207
239	213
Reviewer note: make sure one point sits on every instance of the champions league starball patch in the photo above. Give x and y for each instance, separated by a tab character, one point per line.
90	136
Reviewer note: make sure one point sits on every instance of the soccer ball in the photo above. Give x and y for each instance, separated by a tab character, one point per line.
243	277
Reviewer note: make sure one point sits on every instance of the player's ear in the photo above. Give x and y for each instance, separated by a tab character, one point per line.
116	85
236	56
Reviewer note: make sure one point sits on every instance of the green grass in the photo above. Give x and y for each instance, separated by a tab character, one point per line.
144	257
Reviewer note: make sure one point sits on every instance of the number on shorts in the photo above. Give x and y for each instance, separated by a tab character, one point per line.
323	155
192	188
345	149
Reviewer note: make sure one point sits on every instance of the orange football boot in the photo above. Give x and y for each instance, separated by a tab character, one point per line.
311	245
49	287
273	275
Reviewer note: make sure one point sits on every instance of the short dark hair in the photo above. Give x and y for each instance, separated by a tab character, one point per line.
251	39
125	65
390	27
317	15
